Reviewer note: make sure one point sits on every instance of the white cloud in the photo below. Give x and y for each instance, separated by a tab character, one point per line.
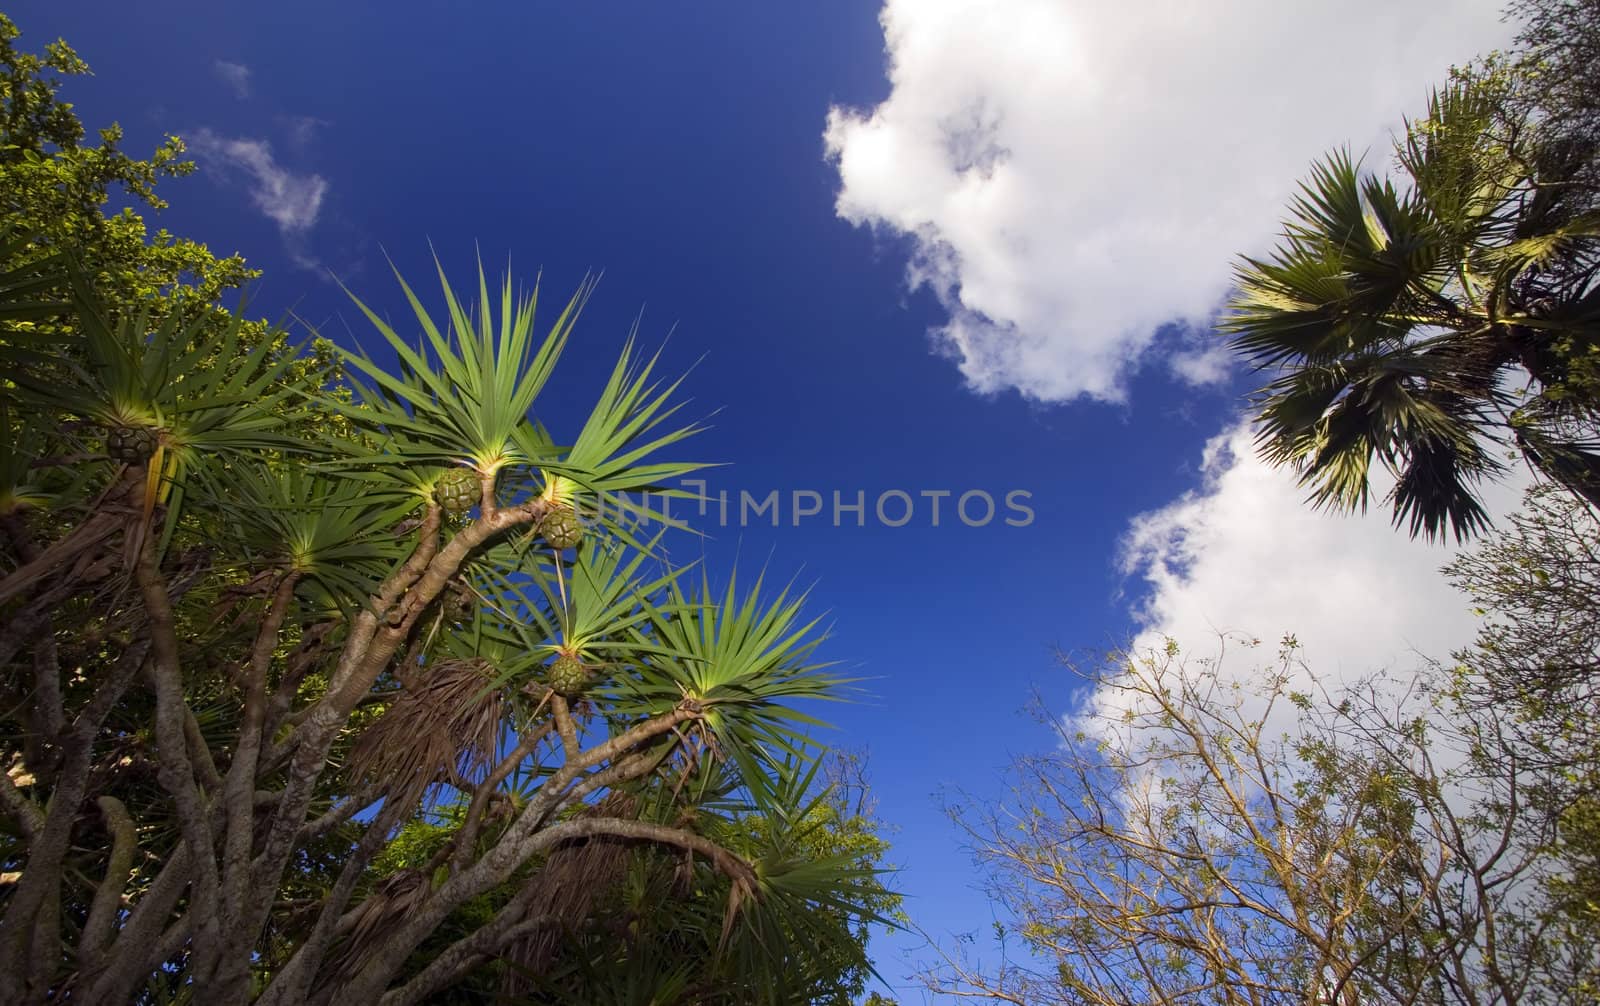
290	200
1246	554
1076	175
235	75
302	129
1244	558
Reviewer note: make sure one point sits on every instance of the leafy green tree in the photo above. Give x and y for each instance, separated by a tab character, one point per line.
241	653
55	186
1203	836
1395	316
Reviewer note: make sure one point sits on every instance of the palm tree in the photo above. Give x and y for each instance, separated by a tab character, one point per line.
1394	319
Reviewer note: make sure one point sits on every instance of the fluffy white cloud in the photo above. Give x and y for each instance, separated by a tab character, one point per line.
290	200
235	75
1076	174
1246	554
1245	558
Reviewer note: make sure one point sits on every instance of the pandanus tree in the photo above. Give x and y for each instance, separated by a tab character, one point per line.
256	632
1429	326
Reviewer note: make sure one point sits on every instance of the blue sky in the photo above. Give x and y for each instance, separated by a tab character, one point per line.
933	246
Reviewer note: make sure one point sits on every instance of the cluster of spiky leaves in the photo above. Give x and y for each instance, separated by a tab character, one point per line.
258	519
1392	316
173	393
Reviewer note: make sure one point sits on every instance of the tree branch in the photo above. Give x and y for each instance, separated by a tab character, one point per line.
125	963
22	809
370	982
460	958
239	787
467	837
41	877
108	895
292	983
177	767
368	651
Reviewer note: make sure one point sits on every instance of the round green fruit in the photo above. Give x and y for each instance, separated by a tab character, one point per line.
561	528
457	490
567	676
131	444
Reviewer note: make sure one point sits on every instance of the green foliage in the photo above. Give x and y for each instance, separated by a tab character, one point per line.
277	729
54	185
656	932
1558	61
1391	316
284	610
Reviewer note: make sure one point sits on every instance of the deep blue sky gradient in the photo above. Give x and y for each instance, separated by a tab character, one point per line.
677	147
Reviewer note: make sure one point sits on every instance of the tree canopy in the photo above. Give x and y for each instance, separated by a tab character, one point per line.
344	683
259	655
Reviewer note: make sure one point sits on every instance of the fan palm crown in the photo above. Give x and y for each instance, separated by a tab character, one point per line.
1393	319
